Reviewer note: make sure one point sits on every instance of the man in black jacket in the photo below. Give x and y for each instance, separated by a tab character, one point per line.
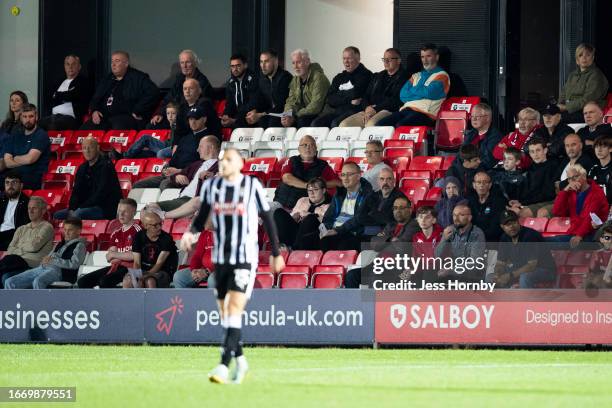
486	203
238	90
382	95
124	99
270	94
70	98
483	135
188	62
96	191
13	208
346	92
553	131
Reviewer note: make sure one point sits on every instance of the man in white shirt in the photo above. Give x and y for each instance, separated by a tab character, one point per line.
70	98
13	209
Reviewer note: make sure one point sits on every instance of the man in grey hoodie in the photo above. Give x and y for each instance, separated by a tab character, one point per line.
62	264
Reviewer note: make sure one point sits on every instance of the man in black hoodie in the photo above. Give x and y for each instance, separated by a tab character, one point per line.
271	93
238	90
553	131
124	99
346	92
382	95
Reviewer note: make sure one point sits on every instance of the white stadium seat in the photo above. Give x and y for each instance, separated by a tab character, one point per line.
291	148
344	134
278	134
318	133
268	149
169	194
576	126
244	148
377	133
246	135
333	149
145	195
358	148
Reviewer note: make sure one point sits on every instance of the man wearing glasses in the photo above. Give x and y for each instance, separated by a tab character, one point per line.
343	229
482	135
382	95
528	122
299	170
374	155
13	207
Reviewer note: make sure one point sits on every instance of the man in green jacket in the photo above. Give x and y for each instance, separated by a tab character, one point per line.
307	91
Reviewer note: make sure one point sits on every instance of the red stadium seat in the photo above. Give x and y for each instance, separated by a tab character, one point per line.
264	280
126	186
54	199
447	162
423	203
398	148
574	279
414	182
160	134
167	225
335	163
362	162
58	139
417	134
342	258
260	167
398	164
415	175
460	103
291	278
179	227
608	116
301	257
120	140
431	163
129	167
79	135
264	257
557	226
327	280
155	165
450	129
275	176
415	190
434	194
538	224
95	227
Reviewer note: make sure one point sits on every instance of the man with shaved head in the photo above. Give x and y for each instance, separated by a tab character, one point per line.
595	126
96	191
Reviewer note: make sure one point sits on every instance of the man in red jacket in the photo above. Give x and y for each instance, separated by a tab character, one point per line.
580	200
528	122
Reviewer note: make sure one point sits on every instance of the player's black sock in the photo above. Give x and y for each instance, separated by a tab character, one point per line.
230	345
238	349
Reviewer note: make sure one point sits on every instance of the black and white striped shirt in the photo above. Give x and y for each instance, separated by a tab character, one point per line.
235	208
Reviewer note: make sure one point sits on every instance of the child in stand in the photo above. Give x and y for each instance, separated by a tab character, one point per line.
148	146
508	176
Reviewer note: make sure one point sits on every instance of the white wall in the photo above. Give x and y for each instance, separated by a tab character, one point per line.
18	51
326	27
155	31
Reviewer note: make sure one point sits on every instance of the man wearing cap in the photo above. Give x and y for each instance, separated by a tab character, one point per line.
184	154
553	131
518	259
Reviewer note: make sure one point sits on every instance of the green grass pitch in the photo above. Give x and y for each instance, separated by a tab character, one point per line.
176	376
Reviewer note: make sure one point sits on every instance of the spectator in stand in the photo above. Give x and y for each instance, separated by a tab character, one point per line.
240	87
381	98
486	203
185	153
601	172
425	240
154	253
31	242
271	92
422	95
374	156
465	168
377	209
595	126
553	132
300	228
578	200
347	90
538	191
483	135
307	91
188	63
96	191
62	264
586	83
507	177
462	240
70	99
400	230
343	230
576	154
452	194
28	152
119	255
13	208
199	273
149	146
124	99
301	168
192	177
518	260
12	123
528	120
600	274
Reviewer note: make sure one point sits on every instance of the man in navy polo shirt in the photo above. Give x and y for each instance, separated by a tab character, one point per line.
28	152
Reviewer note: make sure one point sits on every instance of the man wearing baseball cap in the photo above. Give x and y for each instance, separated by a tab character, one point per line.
184	154
522	256
554	132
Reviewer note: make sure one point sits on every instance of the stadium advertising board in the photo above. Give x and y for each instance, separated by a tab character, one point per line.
108	316
508	317
273	317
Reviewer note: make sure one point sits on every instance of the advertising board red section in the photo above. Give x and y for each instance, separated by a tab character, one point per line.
509	317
